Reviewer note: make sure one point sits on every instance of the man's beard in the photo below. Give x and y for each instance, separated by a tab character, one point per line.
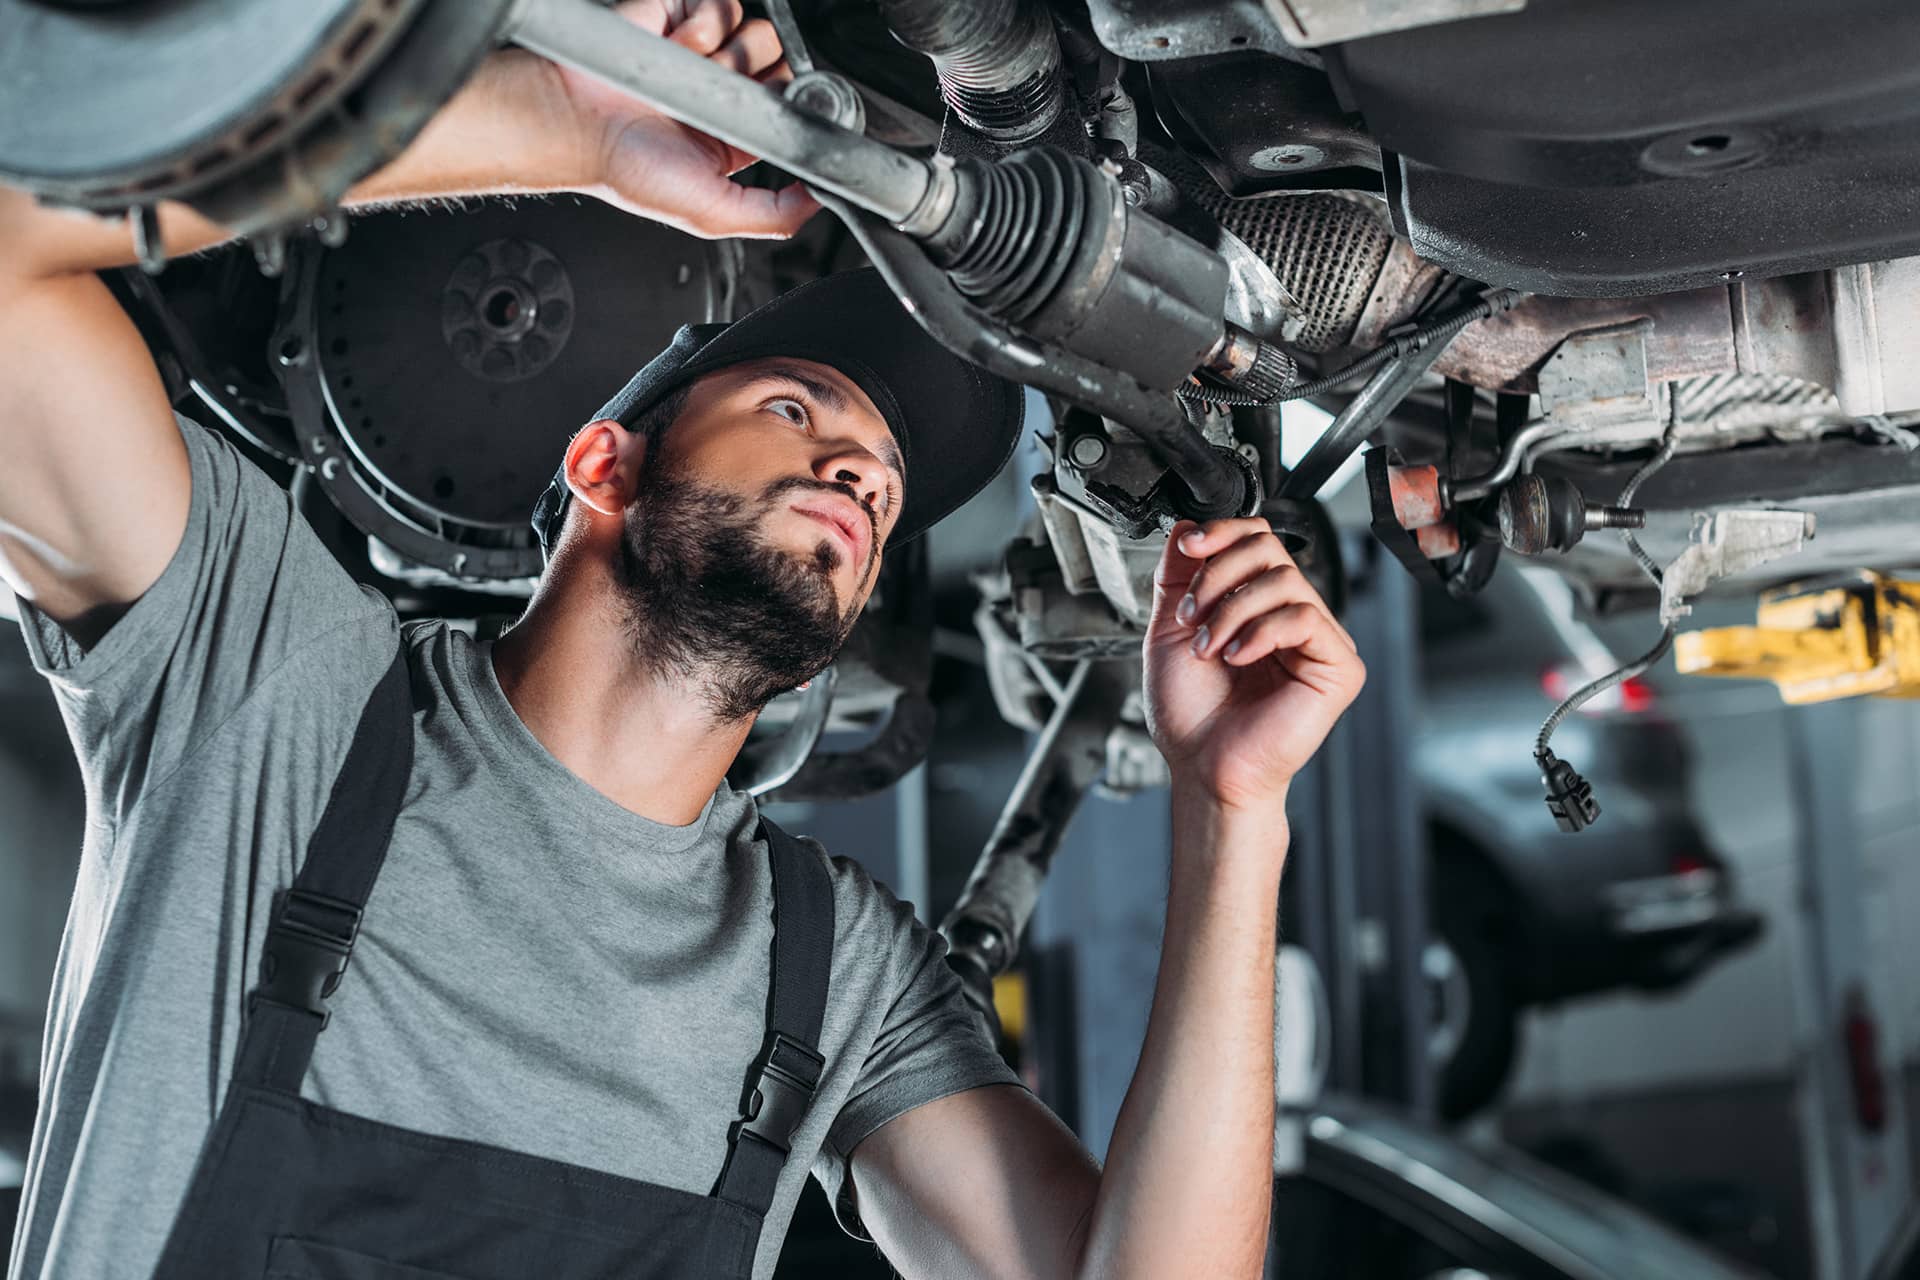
711	601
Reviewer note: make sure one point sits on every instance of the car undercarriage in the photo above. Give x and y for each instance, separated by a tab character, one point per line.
1563	271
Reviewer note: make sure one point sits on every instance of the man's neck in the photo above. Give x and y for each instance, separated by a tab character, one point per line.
643	738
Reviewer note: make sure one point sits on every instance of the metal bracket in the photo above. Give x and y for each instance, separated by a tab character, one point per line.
1727	543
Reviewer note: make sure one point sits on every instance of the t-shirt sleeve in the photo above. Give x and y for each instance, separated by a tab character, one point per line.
931	1044
248	588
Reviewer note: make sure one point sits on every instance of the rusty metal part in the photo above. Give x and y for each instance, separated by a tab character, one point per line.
1845	329
1849	329
1602	373
1260	370
1691	334
1438	541
1817	641
1416	496
1405	283
1422	510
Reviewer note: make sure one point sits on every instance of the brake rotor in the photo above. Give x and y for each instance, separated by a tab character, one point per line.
455	355
261	114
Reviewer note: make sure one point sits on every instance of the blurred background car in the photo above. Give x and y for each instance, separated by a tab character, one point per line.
1379	1196
1520	914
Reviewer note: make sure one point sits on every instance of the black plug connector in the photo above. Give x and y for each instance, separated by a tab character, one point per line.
1569	796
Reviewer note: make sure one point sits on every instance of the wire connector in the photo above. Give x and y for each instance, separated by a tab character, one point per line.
1569	796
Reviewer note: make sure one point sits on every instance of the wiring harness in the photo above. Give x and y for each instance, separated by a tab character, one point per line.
1570	796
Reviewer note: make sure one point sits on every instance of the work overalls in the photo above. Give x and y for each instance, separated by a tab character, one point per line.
290	1190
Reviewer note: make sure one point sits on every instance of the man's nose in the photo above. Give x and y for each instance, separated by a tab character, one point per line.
857	468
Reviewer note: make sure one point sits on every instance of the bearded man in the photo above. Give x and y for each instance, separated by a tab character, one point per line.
395	954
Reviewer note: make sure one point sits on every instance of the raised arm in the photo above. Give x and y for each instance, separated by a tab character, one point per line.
1246	673
93	476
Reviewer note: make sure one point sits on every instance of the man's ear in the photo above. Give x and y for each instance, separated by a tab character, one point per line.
603	465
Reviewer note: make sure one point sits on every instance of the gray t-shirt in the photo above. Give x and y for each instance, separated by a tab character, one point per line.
539	968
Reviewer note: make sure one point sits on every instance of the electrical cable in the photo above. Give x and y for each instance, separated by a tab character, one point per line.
1570	796
1581	696
1668	443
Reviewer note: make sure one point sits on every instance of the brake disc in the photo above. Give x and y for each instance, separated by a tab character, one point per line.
261	114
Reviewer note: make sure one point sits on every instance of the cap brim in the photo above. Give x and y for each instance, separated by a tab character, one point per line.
957	424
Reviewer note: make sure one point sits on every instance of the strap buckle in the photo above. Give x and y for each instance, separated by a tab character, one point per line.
781	1091
307	949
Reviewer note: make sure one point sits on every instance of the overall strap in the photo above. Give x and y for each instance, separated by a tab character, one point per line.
780	1088
316	921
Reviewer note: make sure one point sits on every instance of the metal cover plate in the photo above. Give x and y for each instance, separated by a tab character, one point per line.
461	351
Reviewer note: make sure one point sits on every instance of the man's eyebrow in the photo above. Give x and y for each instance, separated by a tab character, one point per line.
833	398
817	387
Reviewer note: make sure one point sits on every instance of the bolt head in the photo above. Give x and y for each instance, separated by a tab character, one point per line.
1087	451
1292	155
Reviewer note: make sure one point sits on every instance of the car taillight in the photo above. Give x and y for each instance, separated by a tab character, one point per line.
1681	864
1630	697
1636	695
1860	1037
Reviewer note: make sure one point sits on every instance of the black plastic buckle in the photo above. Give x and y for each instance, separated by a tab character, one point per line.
307	949
781	1091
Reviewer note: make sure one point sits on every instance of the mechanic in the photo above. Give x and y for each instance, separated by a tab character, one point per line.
563	974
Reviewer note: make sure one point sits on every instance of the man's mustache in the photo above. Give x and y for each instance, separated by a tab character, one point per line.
779	487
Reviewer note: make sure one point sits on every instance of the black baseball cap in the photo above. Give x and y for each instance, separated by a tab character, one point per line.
956	424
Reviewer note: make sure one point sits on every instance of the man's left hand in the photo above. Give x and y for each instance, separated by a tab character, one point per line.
1246	668
655	166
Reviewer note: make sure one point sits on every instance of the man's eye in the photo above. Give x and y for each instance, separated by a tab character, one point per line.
792	410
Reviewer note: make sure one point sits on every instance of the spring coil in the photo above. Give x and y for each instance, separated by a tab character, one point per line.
998	61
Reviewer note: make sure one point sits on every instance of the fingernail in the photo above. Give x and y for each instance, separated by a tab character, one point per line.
1233	647
1190	541
1188	606
1200	641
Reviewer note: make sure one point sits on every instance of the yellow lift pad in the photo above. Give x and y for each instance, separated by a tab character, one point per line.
1831	638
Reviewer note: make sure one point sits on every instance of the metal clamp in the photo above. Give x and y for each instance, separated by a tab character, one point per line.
306	951
779	1097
